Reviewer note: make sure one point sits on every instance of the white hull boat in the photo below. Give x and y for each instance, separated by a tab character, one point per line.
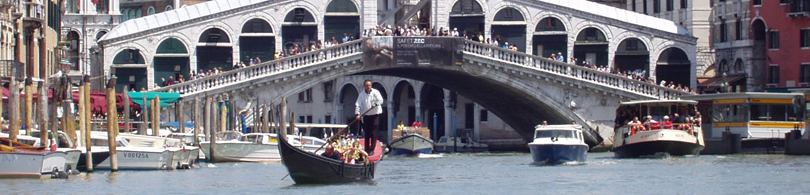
257	147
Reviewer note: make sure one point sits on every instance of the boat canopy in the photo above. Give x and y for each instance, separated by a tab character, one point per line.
165	97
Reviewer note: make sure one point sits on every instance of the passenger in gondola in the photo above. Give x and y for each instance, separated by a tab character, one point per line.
355	154
330	153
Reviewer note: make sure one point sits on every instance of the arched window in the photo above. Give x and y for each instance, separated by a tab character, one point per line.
169	8
150	11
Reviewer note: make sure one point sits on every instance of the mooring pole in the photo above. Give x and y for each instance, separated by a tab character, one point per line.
111	124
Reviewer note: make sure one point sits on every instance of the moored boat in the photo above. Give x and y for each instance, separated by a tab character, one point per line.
257	147
651	137
310	168
558	144
24	161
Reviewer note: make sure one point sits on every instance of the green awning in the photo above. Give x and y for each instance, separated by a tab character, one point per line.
165	98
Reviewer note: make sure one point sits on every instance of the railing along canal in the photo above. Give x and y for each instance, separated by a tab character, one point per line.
265	68
571	71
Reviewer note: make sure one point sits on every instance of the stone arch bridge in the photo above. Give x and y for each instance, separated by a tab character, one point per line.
521	89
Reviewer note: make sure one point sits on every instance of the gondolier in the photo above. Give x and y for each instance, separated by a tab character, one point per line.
365	101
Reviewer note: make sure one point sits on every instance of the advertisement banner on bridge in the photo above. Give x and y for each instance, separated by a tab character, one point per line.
412	51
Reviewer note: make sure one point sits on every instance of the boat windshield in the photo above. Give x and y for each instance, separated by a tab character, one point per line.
556	133
253	138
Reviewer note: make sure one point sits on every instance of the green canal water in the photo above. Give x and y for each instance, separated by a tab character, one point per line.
495	173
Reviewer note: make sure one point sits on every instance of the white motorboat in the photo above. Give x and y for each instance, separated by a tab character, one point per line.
459	144
558	144
63	145
654	137
132	157
24	161
257	147
184	155
188	139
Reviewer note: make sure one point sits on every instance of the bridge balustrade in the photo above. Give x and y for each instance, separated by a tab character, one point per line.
571	71
265	68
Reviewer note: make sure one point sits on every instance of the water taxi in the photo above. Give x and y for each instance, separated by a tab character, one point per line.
558	144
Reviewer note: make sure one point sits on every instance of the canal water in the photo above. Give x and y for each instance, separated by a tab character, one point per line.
488	173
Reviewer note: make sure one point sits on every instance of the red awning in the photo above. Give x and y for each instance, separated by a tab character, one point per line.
98	100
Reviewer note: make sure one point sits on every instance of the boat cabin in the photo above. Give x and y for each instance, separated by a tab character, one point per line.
557	132
751	114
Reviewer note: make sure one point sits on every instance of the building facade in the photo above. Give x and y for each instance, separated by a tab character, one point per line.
738	66
782	28
29	31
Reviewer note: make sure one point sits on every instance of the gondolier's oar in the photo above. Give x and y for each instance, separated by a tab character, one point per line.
344	128
339	132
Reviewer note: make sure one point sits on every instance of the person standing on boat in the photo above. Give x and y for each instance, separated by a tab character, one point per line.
365	101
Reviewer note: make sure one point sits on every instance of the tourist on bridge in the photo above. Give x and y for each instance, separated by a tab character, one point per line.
370	100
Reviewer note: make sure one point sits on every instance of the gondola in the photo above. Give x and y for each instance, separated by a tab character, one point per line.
309	168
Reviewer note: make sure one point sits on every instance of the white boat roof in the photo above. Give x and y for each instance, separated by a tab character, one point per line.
188	13
720	96
557	127
314	125
658	102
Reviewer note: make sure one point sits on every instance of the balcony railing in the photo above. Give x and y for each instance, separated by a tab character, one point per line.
799	8
9	68
33	11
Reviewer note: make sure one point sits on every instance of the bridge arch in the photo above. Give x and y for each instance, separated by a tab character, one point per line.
341	17
509	25
299	27
467	15
130	68
171	59
591	46
256	40
214	50
550	36
403	102
672	64
632	55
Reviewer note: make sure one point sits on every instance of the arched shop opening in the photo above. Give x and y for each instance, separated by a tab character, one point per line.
341	18
214	50
591	46
467	15
129	67
299	27
348	96
632	56
550	37
510	27
256	41
433	110
674	66
404	105
171	60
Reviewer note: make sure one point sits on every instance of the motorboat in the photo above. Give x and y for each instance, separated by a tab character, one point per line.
411	142
459	144
188	139
184	155
18	160
558	144
132	157
657	135
257	147
63	144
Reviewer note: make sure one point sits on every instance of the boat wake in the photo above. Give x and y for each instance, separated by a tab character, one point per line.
430	155
657	155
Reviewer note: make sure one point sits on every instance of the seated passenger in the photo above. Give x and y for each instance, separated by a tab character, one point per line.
667	122
330	153
652	123
355	154
635	126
